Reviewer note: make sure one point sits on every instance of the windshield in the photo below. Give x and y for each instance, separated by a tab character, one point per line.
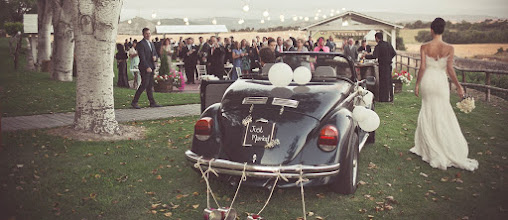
323	66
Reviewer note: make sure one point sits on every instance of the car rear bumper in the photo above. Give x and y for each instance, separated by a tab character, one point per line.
227	167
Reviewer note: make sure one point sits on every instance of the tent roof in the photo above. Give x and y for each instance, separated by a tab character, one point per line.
30	24
190	29
364	19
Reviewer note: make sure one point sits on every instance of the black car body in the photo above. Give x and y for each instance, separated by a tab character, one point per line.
298	130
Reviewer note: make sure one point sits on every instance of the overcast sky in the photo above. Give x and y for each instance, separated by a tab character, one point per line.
306	8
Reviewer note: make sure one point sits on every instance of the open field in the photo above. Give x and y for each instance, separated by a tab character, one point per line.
466	50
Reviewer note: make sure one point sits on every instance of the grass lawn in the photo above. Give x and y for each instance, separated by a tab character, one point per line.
29	93
45	177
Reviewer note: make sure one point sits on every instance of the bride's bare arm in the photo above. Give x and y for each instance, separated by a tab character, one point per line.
421	70
451	73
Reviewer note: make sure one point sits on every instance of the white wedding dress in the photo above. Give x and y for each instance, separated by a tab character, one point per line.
438	138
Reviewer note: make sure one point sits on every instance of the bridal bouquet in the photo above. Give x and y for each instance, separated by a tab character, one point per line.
466	105
403	76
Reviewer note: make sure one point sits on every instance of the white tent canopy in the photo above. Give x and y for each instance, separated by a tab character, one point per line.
190	29
370	36
355	23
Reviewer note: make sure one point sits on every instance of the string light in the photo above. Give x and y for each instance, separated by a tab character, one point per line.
306	19
129	21
262	21
186	20
214	21
158	22
246	8
266	14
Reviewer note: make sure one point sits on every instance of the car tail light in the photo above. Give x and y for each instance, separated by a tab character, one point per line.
203	128
328	138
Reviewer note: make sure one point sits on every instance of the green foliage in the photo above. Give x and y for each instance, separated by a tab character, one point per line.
400	42
468	36
500	50
464	32
13	27
13	10
165	68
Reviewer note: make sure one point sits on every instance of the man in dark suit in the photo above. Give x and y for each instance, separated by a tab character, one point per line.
384	53
364	47
190	59
216	58
147	58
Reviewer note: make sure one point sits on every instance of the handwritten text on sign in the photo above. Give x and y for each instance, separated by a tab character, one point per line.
258	134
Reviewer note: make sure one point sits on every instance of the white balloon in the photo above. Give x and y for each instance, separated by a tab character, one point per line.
371	123
359	113
368	98
302	75
280	74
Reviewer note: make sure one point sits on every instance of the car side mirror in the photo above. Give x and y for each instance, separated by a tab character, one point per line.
370	80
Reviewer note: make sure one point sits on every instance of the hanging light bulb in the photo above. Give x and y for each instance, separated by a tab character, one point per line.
214	21
158	22
265	13
343	9
262	21
295	18
345	23
154	15
315	18
301	17
129	21
186	23
246	8
306	19
186	20
331	14
324	16
268	18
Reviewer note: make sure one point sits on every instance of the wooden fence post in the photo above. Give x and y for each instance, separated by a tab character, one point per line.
487	82
408	62
463	79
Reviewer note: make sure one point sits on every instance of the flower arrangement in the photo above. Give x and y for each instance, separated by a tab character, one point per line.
175	77
402	76
466	105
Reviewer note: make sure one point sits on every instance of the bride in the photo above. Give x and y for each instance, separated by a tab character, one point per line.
438	138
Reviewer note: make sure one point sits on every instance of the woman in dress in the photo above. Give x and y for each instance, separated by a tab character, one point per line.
134	63
438	138
300	46
237	59
121	61
166	49
244	48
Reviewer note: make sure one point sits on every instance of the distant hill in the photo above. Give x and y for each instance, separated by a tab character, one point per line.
139	23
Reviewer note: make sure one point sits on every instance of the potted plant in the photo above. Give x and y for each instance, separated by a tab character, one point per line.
402	77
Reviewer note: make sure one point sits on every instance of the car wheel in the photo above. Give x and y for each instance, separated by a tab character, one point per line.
372	135
346	181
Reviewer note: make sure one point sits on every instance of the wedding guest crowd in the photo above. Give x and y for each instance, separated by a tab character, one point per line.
244	56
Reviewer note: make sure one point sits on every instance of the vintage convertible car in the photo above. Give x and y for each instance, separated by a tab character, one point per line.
307	130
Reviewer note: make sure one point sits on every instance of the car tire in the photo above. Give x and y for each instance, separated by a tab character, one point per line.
346	181
372	135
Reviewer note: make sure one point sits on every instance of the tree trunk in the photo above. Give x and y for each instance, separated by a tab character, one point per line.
44	31
95	28
63	44
30	62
